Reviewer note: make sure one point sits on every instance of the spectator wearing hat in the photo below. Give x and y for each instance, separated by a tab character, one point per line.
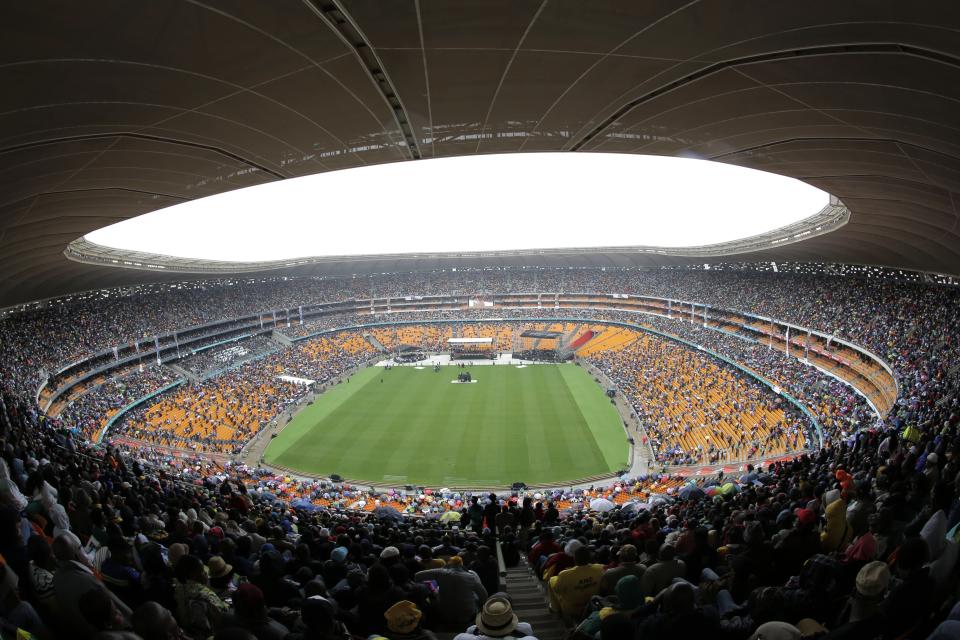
571	590
335	569
221	577
497	620
389	556
199	609
250	613
626	566
861	613
403	622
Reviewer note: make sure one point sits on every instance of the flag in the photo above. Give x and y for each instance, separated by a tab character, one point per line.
156	342
116	354
301	315
260	315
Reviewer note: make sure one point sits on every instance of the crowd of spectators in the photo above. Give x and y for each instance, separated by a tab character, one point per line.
88	413
854	541
695	410
839	410
857	540
217	359
221	414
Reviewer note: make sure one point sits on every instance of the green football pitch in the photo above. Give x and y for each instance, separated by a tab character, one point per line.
535	424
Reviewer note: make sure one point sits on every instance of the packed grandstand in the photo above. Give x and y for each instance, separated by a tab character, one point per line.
803	458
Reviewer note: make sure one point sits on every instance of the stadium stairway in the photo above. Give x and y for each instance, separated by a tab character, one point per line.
531	603
186	373
376	344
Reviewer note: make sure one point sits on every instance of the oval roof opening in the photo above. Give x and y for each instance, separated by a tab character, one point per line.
497	202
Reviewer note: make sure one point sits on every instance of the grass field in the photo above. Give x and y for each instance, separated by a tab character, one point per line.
538	424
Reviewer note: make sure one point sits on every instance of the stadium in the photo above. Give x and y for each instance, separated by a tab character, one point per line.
465	320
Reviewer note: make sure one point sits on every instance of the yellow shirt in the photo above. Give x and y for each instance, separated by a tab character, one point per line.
574	587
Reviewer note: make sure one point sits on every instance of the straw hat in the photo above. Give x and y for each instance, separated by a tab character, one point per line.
497	618
218	567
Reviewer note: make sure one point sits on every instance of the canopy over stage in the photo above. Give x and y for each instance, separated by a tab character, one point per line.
542	335
470	341
461	348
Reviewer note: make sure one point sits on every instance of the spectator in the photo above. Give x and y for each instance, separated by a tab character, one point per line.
460	592
199	609
660	575
626	566
250	613
571	589
497	620
75	578
403	622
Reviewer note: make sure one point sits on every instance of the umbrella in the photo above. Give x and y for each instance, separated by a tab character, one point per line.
691	492
450	516
306	505
729	488
387	513
634	507
601	504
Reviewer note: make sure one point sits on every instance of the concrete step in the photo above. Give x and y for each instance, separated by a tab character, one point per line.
531	604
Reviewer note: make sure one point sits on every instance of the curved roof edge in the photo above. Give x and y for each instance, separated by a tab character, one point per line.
833	216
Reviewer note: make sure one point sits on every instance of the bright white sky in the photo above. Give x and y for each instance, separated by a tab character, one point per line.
476	203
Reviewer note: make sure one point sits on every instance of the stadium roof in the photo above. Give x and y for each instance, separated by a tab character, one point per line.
113	109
